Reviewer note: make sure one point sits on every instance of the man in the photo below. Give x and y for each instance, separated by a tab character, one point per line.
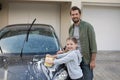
85	35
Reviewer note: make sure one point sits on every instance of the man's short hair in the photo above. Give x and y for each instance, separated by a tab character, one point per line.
75	8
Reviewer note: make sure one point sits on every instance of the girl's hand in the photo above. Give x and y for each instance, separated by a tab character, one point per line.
48	55
54	56
49	61
60	52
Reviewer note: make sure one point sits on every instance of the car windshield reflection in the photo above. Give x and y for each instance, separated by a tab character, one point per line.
41	40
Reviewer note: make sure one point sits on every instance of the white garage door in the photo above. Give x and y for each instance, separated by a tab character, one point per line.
106	22
45	13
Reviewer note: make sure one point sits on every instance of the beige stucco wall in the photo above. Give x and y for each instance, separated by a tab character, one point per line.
108	1
65	22
3	13
102	1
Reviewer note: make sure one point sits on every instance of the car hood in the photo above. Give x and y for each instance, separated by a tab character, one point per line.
15	67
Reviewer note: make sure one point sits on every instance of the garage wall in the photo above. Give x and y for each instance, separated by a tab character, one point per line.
106	22
45	13
102	1
3	14
65	22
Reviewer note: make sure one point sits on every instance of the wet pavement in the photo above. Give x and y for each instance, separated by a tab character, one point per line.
107	66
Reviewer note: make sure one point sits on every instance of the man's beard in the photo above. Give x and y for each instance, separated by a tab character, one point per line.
75	20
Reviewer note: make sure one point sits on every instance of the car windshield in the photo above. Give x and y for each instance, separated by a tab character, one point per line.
42	39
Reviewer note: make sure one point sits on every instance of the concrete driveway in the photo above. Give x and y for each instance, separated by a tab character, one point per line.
107	66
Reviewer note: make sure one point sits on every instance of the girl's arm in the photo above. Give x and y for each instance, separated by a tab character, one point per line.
69	57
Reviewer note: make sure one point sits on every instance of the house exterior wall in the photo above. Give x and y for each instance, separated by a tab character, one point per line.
102	1
3	13
65	20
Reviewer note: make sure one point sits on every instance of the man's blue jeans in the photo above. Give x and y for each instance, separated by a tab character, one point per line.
87	72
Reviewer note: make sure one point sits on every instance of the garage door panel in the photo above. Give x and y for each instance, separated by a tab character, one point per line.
45	13
106	22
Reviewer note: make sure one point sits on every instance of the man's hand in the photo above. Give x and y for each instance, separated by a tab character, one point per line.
92	64
93	59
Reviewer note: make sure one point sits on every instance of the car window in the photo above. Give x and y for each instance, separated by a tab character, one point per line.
40	40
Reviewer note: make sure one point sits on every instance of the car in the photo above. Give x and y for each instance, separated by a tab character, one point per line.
22	51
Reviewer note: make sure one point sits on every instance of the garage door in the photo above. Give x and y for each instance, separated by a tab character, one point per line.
45	13
106	22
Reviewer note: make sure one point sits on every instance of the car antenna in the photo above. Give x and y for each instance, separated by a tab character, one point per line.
26	39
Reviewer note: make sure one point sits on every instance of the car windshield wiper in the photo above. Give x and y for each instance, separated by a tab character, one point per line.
30	29
26	38
1	50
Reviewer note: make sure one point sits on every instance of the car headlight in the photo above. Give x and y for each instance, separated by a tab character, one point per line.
62	76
